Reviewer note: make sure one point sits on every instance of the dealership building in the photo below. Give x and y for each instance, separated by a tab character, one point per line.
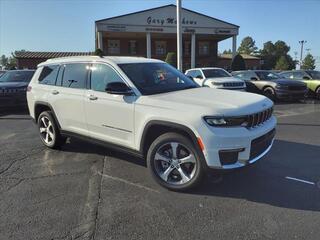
152	33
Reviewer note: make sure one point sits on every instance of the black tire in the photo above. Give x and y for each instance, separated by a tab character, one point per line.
194	170
55	140
270	93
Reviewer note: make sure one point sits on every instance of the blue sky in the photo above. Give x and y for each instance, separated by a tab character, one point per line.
68	25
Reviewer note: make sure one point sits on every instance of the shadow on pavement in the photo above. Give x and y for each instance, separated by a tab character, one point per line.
265	181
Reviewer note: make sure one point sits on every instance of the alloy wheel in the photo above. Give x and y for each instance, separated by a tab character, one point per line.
175	163
46	130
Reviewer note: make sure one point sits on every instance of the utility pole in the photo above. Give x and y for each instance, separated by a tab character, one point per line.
302	42
179	36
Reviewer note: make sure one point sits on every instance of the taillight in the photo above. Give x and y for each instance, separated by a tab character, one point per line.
29	88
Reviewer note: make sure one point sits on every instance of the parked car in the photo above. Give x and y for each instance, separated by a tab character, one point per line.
215	78
149	108
13	88
272	85
310	77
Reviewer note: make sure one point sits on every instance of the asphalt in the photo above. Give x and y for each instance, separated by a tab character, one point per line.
85	191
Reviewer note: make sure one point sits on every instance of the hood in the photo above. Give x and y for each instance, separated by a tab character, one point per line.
205	101
224	79
288	82
11	85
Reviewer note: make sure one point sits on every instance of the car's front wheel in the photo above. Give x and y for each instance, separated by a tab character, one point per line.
49	131
270	93
174	162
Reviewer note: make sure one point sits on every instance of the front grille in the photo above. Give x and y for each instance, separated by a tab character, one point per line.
260	144
259	118
297	88
233	84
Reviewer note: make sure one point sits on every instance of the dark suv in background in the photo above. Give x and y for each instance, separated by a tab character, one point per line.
272	85
13	88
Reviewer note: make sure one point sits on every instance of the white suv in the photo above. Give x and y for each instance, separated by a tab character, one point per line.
215	78
149	108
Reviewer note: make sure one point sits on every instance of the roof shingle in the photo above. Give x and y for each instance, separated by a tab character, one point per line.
48	55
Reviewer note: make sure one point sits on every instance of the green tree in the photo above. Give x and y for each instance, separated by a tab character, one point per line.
4	60
238	63
171	59
271	54
227	51
308	62
247	46
98	52
282	64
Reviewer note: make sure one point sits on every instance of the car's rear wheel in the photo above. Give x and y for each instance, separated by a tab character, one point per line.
270	93
174	162
48	130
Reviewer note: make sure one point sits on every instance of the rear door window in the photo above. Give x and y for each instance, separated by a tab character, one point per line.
75	75
49	74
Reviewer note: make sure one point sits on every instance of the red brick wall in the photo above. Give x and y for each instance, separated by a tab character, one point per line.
29	63
201	61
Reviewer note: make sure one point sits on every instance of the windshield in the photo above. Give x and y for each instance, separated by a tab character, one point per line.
314	74
153	78
267	75
17	76
215	73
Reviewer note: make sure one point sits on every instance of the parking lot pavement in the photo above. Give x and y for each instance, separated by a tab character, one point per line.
89	192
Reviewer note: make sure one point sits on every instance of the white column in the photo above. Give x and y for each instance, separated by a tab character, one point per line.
100	40
179	36
234	46
193	50
148	45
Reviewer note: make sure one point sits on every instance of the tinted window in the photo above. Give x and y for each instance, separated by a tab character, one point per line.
48	75
265	75
101	75
17	76
153	78
215	73
298	75
286	75
314	74
75	75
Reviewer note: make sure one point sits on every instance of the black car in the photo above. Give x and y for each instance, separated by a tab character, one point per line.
272	85
13	87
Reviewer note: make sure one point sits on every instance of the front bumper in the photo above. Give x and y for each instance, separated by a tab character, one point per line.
290	94
216	140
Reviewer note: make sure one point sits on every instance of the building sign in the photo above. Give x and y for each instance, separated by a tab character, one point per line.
170	21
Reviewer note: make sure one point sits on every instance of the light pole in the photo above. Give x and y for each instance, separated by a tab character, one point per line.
302	42
179	36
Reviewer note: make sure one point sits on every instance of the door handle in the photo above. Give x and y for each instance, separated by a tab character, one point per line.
92	97
55	92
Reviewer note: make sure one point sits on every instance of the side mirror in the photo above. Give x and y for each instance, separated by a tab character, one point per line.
253	78
119	88
199	76
306	78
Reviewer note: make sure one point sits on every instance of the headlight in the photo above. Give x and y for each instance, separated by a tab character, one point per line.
227	121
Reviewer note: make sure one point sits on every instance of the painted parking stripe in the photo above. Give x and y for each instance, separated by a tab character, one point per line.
300	180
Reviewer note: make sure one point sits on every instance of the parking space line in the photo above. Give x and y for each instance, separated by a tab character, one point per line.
129	183
300	180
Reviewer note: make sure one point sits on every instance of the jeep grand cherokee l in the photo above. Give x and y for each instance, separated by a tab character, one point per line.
149	108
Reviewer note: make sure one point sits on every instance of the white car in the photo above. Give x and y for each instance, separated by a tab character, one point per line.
149	108
215	78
